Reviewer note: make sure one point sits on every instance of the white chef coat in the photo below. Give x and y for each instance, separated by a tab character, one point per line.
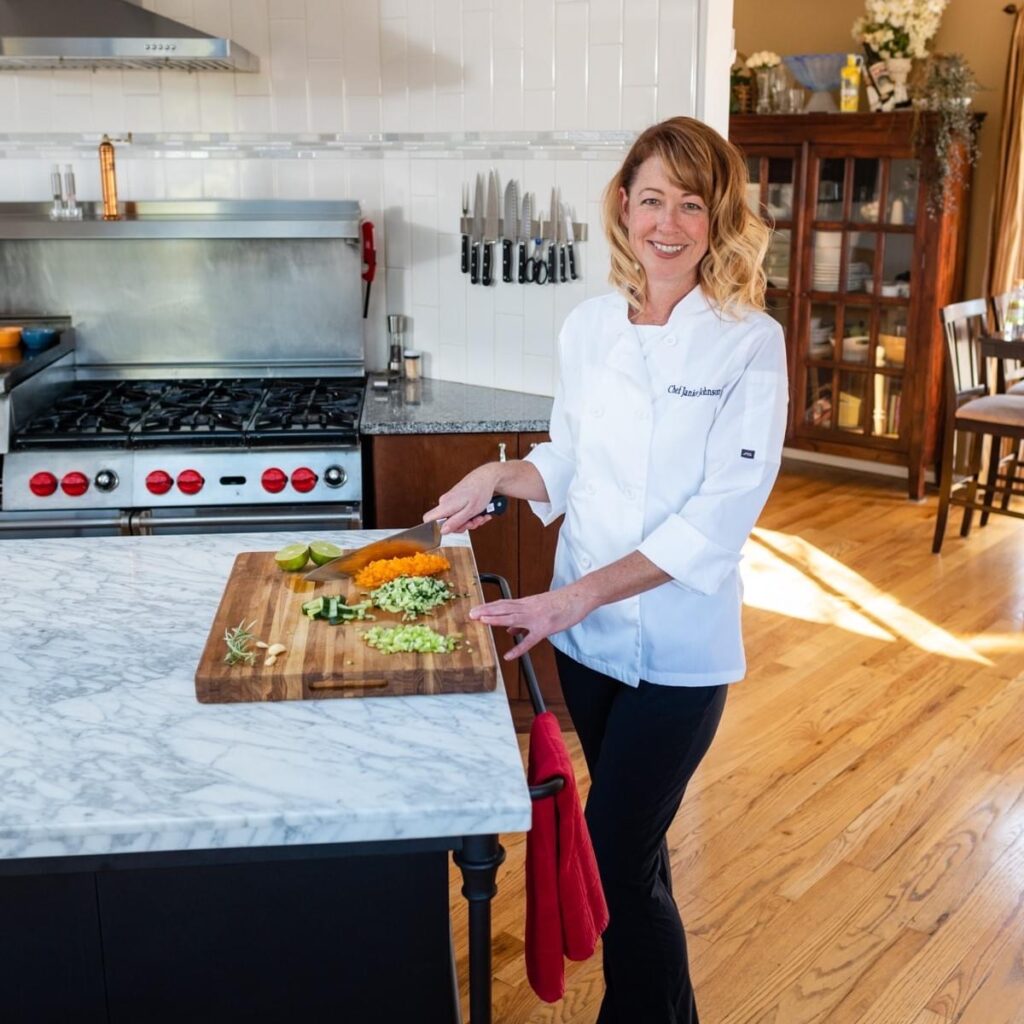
673	454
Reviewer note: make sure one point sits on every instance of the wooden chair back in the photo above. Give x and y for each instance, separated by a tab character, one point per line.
963	324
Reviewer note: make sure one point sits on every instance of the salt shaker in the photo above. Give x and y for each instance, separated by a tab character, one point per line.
72	211
396	345
57	206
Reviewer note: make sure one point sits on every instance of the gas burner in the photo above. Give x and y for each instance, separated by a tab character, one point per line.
327	410
202	411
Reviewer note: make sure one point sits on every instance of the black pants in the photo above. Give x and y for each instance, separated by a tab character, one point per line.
642	745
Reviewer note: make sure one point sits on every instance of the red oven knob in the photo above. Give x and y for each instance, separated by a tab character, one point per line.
190	482
42	485
74	484
274	480
158	482
304	479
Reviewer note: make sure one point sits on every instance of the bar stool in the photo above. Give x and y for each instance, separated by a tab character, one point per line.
972	415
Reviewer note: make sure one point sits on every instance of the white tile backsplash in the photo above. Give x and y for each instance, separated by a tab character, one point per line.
332	66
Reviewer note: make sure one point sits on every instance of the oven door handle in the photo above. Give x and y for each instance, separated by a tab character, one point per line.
143	521
11	523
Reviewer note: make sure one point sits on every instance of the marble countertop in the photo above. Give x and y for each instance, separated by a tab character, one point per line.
440	407
104	748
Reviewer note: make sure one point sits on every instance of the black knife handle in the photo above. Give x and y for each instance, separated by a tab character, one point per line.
465	254
572	262
474	264
522	262
506	260
488	261
561	264
497	506
552	264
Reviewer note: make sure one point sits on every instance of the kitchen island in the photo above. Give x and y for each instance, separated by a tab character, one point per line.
166	860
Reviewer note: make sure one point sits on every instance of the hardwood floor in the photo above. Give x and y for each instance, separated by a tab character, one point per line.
851	851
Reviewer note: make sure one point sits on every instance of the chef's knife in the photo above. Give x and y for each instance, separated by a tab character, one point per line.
508	229
464	262
423	537
552	252
524	234
570	238
490	227
478	231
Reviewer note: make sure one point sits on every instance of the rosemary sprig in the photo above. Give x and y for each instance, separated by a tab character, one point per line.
238	640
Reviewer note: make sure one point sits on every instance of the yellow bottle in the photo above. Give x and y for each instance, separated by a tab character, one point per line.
108	180
849	85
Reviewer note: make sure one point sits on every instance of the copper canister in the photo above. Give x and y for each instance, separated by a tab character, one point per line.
108	179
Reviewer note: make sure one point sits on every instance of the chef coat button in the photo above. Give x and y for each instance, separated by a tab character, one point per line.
591	489
629	494
643	416
597	411
585	561
670	339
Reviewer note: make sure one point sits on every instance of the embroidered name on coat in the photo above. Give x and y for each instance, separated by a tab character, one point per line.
685	392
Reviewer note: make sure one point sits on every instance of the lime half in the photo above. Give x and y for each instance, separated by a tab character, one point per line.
322	551
292	557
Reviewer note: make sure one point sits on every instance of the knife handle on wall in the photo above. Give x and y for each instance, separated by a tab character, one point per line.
488	264
552	264
561	264
572	262
474	263
522	261
465	254
506	260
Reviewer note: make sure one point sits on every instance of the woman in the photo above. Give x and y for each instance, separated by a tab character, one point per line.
666	436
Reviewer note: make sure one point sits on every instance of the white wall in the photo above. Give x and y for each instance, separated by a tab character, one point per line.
396	66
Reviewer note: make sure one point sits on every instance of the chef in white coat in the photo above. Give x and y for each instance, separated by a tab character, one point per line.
666	437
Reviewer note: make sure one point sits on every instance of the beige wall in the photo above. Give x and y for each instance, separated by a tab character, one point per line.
976	28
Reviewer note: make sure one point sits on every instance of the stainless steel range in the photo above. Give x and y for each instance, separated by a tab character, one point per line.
262	434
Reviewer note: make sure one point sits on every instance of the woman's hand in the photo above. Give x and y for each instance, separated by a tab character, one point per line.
460	507
538	616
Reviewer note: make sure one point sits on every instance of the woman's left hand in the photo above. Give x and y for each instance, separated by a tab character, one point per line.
537	616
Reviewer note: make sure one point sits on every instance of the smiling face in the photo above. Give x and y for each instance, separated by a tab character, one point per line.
667	228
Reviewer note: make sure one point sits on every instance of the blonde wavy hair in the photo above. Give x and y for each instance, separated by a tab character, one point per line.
697	160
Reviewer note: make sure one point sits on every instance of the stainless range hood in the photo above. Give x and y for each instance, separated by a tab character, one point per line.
108	34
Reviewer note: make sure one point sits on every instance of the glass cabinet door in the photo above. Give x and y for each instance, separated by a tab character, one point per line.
772	194
855	303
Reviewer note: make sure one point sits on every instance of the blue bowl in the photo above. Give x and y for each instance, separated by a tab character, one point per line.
38	337
816	71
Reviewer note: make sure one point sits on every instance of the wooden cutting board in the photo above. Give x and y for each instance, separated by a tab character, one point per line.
334	661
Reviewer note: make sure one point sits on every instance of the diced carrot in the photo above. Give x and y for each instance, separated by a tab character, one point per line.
384	569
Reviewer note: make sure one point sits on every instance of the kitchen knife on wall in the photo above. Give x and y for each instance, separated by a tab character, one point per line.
419	538
561	243
524	234
508	229
464	263
570	236
490	227
478	231
552	252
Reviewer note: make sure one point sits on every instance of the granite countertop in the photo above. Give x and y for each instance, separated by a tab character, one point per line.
440	407
104	748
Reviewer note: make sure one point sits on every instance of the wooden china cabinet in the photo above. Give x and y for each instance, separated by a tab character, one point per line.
857	272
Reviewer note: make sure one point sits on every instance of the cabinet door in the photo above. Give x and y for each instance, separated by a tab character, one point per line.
855	310
411	471
536	565
774	193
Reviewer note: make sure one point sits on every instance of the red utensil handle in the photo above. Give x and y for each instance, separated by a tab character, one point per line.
369	251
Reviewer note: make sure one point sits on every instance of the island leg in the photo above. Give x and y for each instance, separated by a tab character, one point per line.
479	860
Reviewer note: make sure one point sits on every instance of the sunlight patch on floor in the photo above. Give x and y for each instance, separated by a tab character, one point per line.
787	575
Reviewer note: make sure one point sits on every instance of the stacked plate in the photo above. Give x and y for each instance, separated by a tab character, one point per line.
825	277
776	262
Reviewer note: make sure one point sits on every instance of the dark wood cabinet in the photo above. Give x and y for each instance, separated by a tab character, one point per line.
857	269
410	472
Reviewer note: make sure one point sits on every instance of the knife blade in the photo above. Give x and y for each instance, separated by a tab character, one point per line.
490	226
570	235
553	251
415	540
561	243
509	229
524	234
478	231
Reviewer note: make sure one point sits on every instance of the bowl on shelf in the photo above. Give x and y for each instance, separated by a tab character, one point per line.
818	72
10	337
849	410
895	348
890	291
821	349
855	348
38	338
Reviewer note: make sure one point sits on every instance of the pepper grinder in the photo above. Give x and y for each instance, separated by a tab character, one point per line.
108	180
396	345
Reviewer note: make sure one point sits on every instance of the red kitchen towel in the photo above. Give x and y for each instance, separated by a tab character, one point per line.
565	906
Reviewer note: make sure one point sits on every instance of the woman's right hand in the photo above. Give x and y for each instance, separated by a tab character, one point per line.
460	506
